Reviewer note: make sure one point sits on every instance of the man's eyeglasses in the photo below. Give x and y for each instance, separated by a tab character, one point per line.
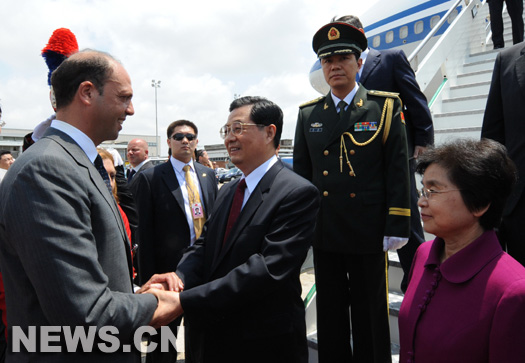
236	128
427	193
179	136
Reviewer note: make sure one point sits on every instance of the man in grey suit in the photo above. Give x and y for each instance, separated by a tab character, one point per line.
64	253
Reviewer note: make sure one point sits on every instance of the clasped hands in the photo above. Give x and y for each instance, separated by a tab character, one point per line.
166	288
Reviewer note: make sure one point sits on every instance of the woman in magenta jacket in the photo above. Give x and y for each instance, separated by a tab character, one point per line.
466	297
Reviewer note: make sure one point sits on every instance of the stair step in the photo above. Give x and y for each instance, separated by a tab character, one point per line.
465	90
481	65
466	103
471	77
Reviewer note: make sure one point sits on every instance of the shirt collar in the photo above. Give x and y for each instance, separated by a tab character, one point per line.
349	97
255	176
178	165
363	55
85	143
466	263
137	168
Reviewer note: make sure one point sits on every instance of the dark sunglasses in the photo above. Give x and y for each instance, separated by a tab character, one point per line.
179	136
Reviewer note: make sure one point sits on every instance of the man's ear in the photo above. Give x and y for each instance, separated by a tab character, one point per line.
271	131
86	92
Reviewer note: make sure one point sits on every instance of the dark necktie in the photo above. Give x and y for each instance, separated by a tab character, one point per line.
103	173
130	174
238	198
341	105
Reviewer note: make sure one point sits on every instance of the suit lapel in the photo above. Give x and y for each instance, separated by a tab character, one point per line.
170	179
372	61
251	206
222	205
356	110
520	71
76	152
204	180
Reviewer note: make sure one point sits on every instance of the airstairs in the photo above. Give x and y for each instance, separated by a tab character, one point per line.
455	75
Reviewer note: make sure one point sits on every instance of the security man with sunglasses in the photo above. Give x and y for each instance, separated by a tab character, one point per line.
174	200
352	145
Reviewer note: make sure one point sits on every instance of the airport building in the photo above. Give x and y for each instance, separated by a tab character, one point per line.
13	139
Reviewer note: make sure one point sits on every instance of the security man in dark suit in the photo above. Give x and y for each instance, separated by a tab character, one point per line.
352	145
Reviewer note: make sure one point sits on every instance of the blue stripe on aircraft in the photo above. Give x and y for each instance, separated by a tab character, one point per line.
405	13
411	37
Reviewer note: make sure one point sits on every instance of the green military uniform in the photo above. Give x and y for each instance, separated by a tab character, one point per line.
360	165
371	199
358	160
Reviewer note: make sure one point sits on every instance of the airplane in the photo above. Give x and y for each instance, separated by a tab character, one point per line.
404	29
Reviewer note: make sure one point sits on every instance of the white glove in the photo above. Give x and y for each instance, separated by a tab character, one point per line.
41	128
393	243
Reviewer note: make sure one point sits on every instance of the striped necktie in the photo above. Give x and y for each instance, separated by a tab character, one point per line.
195	200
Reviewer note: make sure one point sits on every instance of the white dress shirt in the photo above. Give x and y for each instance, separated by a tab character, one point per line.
85	143
255	177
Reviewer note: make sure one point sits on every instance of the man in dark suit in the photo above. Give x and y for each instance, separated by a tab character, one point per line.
515	10
63	249
242	297
170	220
138	158
352	145
503	122
389	70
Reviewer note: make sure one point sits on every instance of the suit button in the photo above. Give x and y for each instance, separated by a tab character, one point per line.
351	173
352	152
352	195
325	193
326	152
325	173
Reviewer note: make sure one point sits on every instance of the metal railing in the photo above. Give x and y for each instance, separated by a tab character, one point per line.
414	54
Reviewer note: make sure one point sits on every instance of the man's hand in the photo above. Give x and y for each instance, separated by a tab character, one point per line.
168	308
418	150
168	281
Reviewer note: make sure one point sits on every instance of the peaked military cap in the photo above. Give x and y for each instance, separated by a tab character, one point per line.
338	38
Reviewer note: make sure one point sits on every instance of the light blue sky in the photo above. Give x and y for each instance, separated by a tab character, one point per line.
204	52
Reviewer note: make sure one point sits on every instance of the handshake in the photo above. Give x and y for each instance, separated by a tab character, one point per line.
166	288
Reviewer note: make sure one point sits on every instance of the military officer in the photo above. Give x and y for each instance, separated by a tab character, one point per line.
352	145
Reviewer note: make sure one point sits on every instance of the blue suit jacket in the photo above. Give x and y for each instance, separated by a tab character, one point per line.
389	70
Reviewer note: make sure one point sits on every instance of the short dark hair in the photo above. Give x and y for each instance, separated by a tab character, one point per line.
349	19
4	152
198	153
481	170
264	112
177	123
65	80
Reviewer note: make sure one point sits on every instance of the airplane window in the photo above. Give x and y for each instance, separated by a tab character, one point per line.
418	27
390	36
377	41
452	16
434	21
403	32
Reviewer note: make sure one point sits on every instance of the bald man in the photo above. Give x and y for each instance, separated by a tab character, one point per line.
138	158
